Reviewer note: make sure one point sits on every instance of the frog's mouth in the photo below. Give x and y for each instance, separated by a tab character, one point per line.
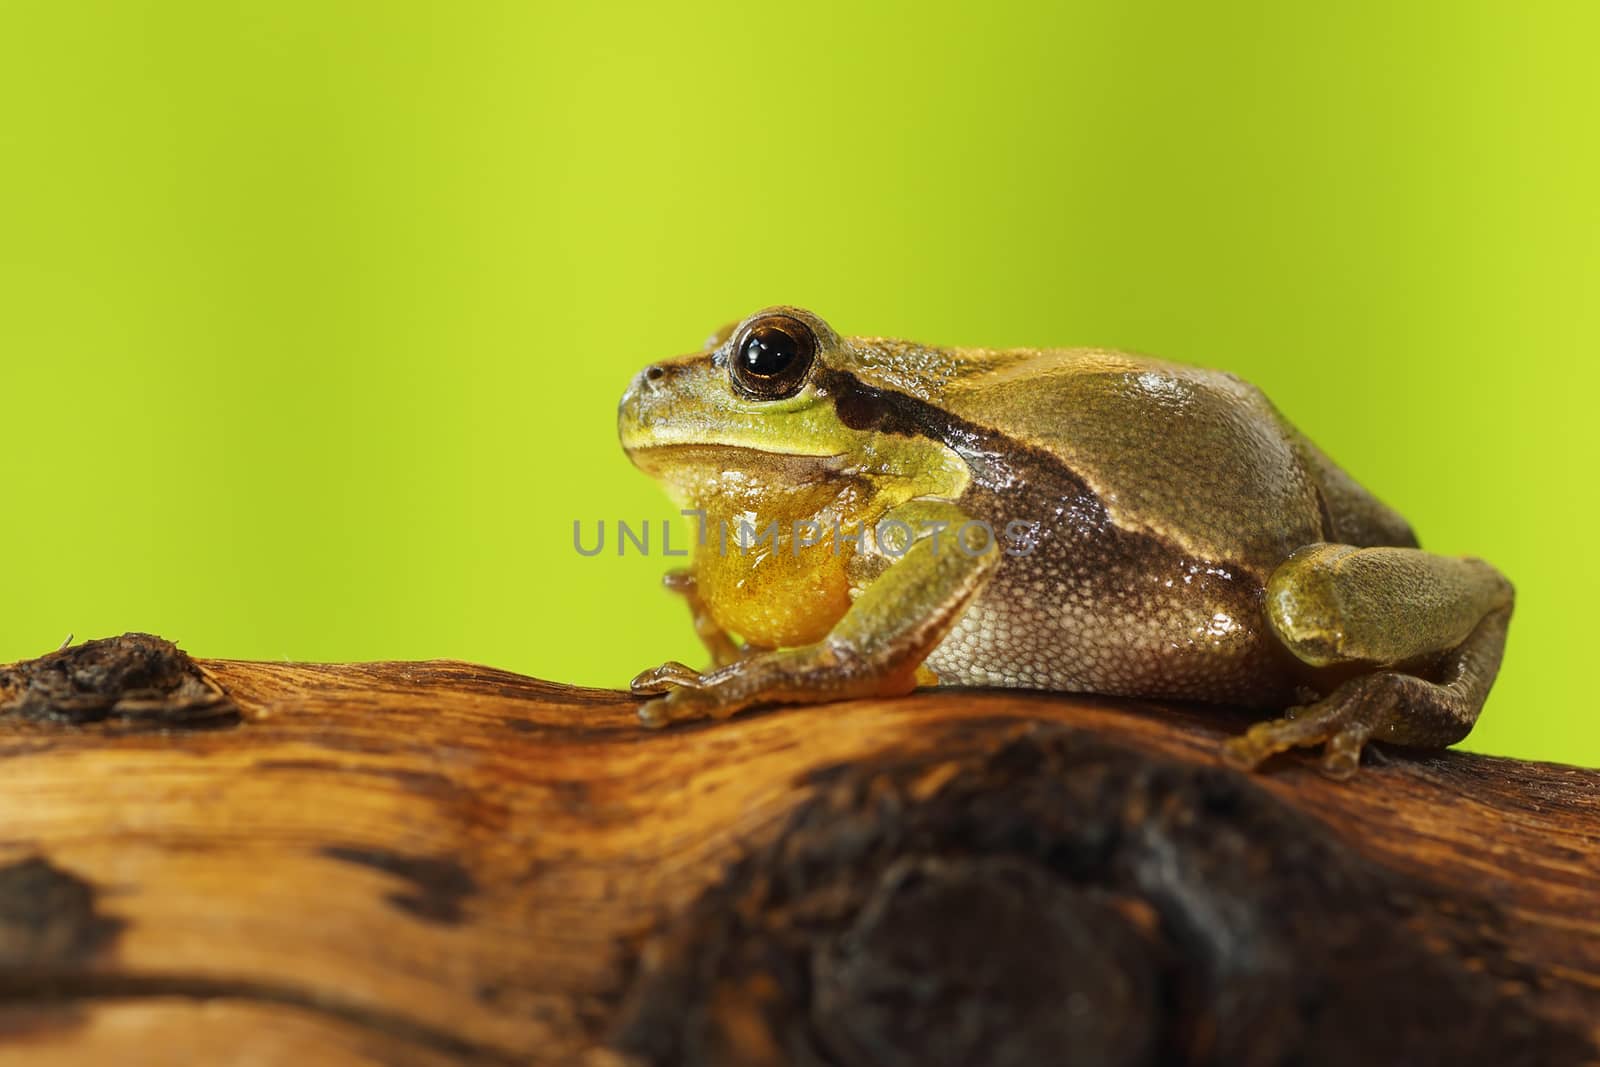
693	462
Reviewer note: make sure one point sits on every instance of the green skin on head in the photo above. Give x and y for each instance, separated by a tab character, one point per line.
1183	541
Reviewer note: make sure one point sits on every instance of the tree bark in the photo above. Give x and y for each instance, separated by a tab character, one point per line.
216	861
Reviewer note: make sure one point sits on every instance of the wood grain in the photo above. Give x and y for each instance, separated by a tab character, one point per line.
440	862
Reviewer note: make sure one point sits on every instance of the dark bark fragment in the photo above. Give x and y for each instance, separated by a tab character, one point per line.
1062	899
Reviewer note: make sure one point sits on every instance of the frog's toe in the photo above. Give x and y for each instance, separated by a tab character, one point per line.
1341	756
664	679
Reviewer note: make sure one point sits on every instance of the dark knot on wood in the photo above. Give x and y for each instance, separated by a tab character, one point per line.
137	679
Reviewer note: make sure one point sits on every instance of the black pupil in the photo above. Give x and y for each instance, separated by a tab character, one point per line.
768	351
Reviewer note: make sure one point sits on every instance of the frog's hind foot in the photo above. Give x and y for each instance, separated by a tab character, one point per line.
1341	722
1426	632
1386	705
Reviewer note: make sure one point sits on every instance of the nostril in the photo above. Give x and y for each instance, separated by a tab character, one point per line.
654	374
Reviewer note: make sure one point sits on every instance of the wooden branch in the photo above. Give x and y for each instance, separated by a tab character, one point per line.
439	863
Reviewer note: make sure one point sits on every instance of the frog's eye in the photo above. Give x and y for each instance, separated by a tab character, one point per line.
772	357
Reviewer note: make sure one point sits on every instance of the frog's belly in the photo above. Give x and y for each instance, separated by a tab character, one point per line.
1184	631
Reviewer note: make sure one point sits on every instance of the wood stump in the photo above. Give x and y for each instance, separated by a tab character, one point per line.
215	861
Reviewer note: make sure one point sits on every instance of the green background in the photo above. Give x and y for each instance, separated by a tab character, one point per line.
313	316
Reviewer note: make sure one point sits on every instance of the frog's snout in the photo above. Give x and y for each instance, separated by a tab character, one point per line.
646	384
641	402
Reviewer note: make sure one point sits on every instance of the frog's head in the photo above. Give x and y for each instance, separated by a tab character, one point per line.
780	401
758	401
754	387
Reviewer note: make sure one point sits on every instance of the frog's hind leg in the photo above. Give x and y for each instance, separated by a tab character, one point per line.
1423	634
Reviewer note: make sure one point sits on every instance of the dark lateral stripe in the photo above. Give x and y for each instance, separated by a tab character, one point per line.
992	456
987	451
865	407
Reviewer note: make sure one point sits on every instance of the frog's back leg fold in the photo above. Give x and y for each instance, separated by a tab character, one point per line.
1416	637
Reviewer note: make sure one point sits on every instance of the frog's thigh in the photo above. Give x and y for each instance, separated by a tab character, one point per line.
874	650
1429	631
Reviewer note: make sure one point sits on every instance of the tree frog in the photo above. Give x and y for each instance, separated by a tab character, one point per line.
878	514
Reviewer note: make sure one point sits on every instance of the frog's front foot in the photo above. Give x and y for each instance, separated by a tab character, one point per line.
677	692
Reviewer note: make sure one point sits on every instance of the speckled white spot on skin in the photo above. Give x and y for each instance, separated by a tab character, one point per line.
1159	387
